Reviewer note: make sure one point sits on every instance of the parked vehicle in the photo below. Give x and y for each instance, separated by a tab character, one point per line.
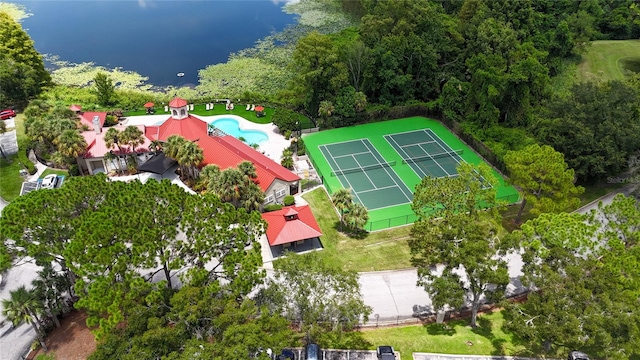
312	352
577	355
386	353
7	114
49	182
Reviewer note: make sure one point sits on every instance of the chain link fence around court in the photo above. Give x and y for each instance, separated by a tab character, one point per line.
408	219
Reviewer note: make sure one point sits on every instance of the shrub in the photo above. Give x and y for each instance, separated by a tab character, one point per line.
74	170
289	200
24	145
287	134
272	207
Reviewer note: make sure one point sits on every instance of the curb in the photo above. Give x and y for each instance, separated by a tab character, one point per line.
596	201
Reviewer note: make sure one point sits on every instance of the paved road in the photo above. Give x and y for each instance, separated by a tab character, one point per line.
14	343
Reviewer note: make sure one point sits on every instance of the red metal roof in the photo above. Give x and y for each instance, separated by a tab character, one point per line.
86	118
177	102
281	231
97	147
190	128
224	151
258	159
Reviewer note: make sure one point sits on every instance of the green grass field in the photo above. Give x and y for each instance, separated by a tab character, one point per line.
610	60
392	216
219	109
456	338
370	253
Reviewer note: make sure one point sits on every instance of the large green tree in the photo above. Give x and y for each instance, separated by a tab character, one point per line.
22	72
319	73
455	244
595	128
104	89
315	295
542	175
583	272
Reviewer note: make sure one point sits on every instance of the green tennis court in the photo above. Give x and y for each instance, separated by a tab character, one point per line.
383	162
426	153
359	166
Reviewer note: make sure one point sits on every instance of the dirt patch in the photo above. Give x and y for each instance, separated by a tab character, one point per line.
72	341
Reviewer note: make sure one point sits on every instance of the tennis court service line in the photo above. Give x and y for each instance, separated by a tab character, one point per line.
380	188
431	135
408	158
346	155
355	193
385	170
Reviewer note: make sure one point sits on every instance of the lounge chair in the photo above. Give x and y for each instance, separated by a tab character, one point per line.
253	107
248	107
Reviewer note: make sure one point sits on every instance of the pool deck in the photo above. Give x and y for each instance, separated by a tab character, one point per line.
272	148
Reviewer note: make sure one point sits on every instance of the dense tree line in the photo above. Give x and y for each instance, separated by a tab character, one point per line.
160	271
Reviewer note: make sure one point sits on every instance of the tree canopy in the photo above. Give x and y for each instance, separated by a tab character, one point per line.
22	72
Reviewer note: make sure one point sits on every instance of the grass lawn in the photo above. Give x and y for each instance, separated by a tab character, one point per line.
457	338
10	177
219	109
380	250
610	60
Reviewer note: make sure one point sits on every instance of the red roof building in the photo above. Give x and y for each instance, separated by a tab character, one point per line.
291	224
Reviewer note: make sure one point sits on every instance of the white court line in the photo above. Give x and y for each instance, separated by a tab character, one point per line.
389	139
385	170
380	188
431	134
355	193
341	156
365	173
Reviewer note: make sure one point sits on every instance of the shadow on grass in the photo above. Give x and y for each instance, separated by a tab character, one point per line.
441	329
485	329
345	230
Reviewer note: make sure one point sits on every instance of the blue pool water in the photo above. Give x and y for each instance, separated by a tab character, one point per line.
231	127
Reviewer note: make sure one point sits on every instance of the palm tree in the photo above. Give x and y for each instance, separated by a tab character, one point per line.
114	137
172	146
325	110
252	197
49	289
209	176
155	146
190	155
71	144
229	186
132	136
287	159
342	200
22	306
248	169
356	217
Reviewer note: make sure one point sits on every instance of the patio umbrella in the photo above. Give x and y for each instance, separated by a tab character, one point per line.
259	108
75	107
149	104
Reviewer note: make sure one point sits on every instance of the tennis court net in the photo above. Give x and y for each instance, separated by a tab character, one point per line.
363	168
454	154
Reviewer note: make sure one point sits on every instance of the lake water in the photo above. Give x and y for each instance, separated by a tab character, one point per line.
155	38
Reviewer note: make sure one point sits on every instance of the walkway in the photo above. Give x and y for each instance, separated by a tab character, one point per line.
430	356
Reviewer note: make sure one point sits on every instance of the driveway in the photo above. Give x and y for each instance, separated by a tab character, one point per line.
9	140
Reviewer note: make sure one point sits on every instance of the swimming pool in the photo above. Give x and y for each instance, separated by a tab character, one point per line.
231	127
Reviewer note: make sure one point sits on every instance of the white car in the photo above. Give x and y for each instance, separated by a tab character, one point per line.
49	181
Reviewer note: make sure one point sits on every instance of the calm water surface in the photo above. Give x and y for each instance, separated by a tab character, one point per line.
155	38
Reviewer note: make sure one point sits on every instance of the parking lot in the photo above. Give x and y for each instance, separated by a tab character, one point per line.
332	354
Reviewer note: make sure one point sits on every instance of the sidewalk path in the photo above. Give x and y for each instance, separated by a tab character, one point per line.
429	356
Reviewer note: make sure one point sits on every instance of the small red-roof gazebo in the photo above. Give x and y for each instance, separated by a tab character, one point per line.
76	108
291	224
